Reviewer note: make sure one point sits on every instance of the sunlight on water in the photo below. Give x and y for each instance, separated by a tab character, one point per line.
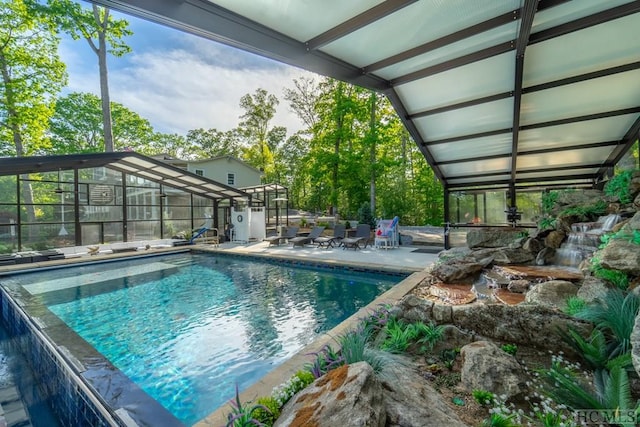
187	338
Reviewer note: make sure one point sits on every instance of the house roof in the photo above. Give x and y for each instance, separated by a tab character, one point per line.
128	162
495	93
228	158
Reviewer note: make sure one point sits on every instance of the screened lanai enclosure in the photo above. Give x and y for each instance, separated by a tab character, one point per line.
505	98
58	201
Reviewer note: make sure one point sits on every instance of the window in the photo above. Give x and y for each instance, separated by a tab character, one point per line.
231	179
199	172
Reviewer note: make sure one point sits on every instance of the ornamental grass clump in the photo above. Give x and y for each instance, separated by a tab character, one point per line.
243	415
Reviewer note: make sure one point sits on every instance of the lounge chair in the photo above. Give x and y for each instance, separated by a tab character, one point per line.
303	240
362	236
289	234
328	242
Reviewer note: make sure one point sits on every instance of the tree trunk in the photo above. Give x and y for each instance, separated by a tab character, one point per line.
336	146
372	153
104	78
12	121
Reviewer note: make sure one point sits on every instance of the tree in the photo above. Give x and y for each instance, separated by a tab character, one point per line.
214	143
103	33
259	111
76	126
31	76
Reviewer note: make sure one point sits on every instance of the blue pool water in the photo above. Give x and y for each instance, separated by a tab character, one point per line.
190	327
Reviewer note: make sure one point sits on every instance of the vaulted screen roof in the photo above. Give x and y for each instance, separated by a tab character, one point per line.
127	162
496	93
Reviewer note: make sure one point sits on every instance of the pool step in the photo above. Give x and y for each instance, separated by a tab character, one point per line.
12	410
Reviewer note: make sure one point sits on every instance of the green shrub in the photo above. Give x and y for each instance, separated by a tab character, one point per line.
241	415
619	186
588	212
549	201
499	420
483	397
574	305
428	335
616	277
268	411
615	316
399	336
511	349
546	223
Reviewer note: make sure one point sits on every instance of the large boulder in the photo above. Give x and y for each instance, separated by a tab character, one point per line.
635	345
621	254
553	293
529	325
492	237
487	367
508	255
350	395
457	271
554	239
584	197
592	289
410	401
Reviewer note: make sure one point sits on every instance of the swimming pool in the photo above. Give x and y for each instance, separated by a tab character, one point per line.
187	328
21	401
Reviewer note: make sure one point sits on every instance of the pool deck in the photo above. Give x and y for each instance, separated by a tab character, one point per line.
401	259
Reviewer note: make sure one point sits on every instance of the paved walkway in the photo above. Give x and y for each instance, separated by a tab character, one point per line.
402	258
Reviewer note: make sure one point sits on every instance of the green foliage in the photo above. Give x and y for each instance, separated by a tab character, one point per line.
268	411
500	420
76	126
616	277
483	397
365	216
614	316
352	345
323	361
546	223
305	377
449	356
242	415
620	186
593	350
399	336
32	74
574	305
428	335
549	199
511	349
623	234
586	212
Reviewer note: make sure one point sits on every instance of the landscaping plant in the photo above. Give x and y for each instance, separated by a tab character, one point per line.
243	415
511	349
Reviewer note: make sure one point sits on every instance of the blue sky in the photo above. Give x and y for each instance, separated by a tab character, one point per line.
178	81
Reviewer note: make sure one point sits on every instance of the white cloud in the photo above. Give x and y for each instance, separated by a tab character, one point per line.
193	84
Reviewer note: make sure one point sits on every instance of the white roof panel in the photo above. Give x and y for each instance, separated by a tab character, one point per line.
548	75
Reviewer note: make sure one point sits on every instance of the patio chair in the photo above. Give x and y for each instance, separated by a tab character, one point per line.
330	241
387	234
303	240
362	236
289	234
